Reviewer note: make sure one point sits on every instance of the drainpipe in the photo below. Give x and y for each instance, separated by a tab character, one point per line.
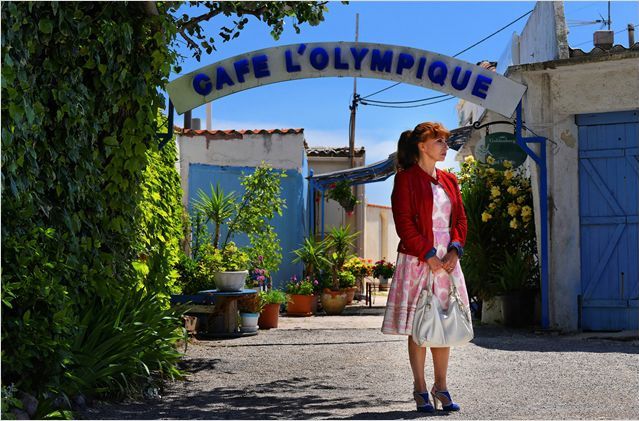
187	119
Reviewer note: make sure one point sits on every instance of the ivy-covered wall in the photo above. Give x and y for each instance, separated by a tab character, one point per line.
79	102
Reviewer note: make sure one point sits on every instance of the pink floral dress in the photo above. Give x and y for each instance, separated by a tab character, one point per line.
411	275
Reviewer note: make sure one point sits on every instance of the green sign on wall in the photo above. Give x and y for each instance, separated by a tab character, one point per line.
502	146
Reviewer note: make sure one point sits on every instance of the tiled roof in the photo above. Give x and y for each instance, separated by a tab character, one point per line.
329	151
232	134
596	51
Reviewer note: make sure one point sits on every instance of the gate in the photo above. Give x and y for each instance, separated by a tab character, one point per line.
608	210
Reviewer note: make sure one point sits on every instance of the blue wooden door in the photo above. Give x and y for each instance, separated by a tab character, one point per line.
608	210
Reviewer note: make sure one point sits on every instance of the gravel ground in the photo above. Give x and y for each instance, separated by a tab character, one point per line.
343	367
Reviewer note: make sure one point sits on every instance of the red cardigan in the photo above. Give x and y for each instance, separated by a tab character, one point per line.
412	202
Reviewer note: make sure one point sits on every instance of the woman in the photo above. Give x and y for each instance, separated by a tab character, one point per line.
431	224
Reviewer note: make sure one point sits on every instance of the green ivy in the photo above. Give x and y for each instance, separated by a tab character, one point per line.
160	221
79	103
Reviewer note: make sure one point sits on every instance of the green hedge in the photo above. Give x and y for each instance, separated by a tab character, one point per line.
79	103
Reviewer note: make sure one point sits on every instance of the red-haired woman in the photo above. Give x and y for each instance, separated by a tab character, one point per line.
431	224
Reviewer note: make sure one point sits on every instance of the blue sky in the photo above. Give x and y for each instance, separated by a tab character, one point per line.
320	106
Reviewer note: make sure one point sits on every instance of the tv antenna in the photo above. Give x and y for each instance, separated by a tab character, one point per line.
603	21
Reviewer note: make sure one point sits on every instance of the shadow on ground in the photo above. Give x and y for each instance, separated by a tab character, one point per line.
295	398
506	339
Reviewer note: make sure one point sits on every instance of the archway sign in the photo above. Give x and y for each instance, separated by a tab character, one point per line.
346	59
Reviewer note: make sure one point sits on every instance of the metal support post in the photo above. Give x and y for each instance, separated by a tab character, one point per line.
540	160
311	224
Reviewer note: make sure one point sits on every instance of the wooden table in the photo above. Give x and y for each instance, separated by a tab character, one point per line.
217	311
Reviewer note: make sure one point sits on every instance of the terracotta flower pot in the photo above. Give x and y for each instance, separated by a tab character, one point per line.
333	302
350	294
315	304
300	305
269	317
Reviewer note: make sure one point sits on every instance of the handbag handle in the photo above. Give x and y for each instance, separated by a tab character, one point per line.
452	289
452	292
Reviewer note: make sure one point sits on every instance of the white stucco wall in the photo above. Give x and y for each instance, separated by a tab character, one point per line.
555	95
544	37
381	236
282	151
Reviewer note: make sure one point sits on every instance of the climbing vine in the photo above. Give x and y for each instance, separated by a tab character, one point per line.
80	98
91	209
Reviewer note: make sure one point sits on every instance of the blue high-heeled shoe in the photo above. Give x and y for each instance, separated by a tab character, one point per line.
443	398
423	404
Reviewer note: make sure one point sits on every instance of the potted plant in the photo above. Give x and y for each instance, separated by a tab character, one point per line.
342	193
383	270
339	243
259	278
312	254
250	307
347	283
498	202
250	215
300	293
271	300
360	268
515	285
231	264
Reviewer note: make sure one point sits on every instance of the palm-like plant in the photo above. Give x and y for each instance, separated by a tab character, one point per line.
312	255
339	244
216	207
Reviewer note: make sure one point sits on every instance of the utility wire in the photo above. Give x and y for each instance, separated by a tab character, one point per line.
494	33
381	90
458	54
364	102
406	102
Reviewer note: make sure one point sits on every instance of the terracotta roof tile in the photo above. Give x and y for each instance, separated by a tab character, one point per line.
328	151
233	134
596	51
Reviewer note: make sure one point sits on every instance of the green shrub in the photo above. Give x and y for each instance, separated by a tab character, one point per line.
302	286
123	345
79	104
498	203
273	296
346	279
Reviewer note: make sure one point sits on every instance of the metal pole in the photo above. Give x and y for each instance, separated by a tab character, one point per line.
322	199
631	35
187	119
543	204
609	22
311	224
353	107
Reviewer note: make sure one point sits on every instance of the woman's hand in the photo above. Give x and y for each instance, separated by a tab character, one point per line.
450	261
434	263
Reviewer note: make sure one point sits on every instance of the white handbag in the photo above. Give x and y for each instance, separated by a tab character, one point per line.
436	328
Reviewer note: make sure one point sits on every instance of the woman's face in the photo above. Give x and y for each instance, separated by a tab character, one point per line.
434	149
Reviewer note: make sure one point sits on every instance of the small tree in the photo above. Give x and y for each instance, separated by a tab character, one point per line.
339	244
251	214
216	207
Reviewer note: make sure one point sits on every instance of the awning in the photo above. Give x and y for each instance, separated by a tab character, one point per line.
381	170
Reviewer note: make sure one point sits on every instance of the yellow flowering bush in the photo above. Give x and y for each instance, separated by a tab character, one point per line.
498	202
